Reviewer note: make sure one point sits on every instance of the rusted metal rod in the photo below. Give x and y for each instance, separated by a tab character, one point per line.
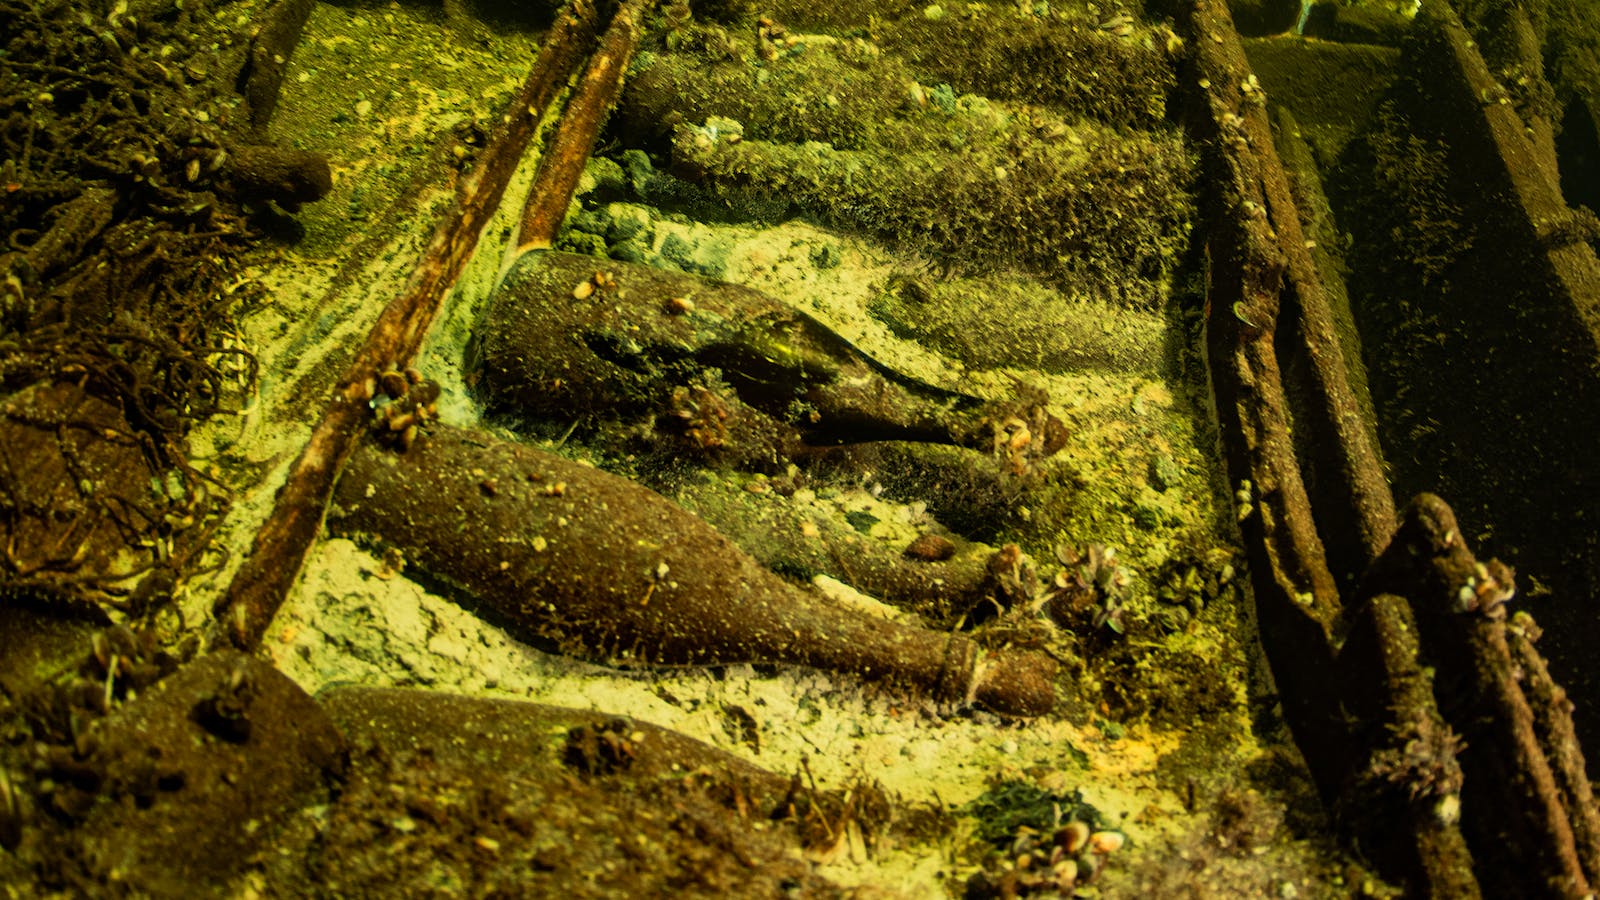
278	554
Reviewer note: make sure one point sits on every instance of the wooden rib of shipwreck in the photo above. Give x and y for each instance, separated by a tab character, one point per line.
562	163
607	569
1533	826
1412	659
1296	598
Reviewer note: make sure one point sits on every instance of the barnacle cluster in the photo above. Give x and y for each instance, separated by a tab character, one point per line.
1013	578
599	282
1487	590
1059	862
1089	589
403	403
1021	438
1041	843
602	749
702	409
1188	586
1088	592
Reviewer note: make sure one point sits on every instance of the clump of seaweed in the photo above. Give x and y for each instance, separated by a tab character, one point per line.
133	184
1421	758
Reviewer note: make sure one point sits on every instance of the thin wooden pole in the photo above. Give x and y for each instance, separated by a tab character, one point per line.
562	164
279	552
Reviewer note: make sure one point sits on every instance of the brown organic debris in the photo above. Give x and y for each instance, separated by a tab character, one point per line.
132	187
930	548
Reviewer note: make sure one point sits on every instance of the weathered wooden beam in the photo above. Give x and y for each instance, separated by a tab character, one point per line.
1520	824
1552	722
1403	796
1420	747
1296	599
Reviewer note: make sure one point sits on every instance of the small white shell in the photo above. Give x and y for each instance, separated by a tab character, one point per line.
1073	836
1103	842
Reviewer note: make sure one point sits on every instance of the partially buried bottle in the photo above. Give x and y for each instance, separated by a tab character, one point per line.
609	570
714	367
